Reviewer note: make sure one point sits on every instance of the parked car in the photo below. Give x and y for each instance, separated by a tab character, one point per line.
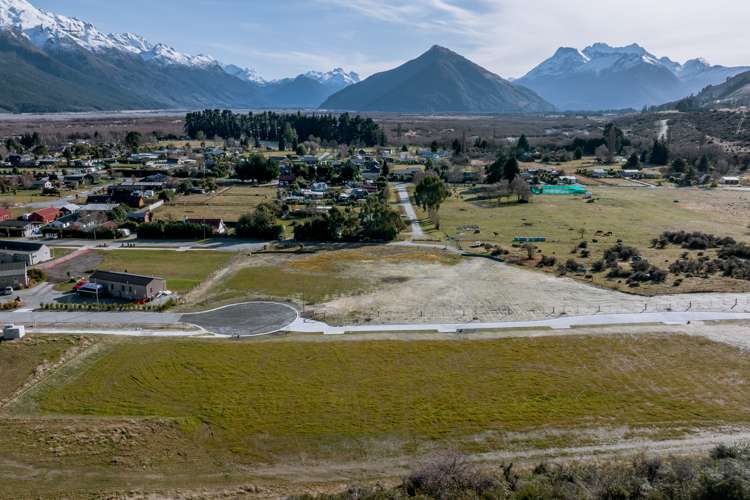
8	290
80	283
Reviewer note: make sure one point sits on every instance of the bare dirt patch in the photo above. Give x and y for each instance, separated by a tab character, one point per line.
480	289
75	267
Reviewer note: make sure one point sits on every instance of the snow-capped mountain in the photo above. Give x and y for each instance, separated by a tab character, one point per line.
337	78
248	74
46	30
605	77
55	63
334	78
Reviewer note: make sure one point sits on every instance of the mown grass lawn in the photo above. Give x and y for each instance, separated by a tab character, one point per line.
183	270
273	399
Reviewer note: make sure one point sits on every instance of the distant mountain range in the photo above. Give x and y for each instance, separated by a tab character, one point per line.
54	63
438	81
602	77
733	93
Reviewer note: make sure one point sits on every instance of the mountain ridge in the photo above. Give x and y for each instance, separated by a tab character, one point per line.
157	74
439	80
606	77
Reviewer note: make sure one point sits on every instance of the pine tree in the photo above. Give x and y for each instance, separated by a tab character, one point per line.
523	145
511	169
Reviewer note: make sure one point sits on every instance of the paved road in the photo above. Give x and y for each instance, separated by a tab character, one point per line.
244	320
217	244
259	318
249	319
411	214
560	323
60	202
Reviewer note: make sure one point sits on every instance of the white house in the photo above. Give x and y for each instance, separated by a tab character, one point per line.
730	181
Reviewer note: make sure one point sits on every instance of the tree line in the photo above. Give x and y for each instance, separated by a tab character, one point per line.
287	128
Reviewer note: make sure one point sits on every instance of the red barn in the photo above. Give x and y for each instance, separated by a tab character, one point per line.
44	215
5	214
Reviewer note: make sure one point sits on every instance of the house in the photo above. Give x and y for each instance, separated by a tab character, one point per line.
598	173
216	225
14	273
631	174
19	228
74	180
319	187
29	252
63	222
127	196
129	286
730	181
97	207
42	184
44	215
287	180
97	199
142	157
69	208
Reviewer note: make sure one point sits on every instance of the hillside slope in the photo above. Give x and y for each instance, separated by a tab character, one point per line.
439	81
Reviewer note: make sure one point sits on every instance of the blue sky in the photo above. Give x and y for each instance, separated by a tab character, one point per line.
286	37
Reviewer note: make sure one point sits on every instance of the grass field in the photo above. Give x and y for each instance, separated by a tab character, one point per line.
634	215
265	401
183	270
18	360
61	252
319	277
228	203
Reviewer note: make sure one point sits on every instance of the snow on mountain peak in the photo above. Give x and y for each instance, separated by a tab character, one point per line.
45	29
248	74
600	48
337	77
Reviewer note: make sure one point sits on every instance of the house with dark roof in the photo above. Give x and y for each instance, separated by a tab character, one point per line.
129	286
19	228
30	252
14	273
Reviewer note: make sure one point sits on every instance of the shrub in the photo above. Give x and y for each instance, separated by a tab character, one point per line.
37	275
547	261
620	253
260	224
448	477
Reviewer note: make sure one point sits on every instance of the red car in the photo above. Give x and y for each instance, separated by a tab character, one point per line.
78	285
